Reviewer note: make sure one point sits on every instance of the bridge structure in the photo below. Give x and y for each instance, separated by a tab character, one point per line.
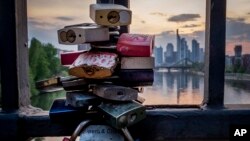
21	121
182	64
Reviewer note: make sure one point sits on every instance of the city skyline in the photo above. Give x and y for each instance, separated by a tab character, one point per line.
179	53
161	18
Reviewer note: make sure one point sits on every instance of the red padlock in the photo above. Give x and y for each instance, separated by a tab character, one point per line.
69	57
66	139
135	45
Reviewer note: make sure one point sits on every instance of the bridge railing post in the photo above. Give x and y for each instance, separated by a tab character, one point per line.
215	53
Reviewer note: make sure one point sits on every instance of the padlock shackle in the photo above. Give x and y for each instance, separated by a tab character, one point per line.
127	134
79	129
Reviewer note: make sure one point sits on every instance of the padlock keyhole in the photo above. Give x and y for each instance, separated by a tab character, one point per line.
120	93
133	117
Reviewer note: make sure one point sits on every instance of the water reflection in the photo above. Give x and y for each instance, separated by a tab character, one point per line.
237	92
45	100
184	88
178	87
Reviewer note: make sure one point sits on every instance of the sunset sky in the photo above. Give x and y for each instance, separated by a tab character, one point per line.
159	17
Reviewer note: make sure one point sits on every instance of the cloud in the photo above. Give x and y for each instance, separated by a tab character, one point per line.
158	14
64	18
236	19
165	37
169	32
237	29
184	17
46	34
191	25
40	23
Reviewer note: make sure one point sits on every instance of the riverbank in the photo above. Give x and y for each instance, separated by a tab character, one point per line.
237	76
231	76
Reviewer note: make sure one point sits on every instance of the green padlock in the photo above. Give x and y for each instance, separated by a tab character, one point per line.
79	99
117	93
122	114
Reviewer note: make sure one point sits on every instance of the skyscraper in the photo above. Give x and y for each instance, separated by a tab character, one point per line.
178	44
238	51
238	55
158	52
201	55
188	56
169	55
183	49
195	51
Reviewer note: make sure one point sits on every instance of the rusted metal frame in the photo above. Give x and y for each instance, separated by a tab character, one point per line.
214	54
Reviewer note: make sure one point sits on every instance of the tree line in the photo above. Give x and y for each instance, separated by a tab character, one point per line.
43	63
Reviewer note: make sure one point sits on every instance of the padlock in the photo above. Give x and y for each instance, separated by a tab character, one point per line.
73	35
47	83
67	58
59	112
111	28
122	114
75	84
127	134
66	139
113	39
140	99
101	133
79	99
89	132
135	45
110	14
94	65
118	93
104	48
136	77
78	130
137	63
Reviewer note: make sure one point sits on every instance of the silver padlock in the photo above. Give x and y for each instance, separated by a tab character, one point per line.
78	130
98	133
101	133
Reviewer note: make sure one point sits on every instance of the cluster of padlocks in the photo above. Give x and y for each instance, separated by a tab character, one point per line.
108	77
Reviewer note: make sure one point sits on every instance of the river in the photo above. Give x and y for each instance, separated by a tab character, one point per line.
176	88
